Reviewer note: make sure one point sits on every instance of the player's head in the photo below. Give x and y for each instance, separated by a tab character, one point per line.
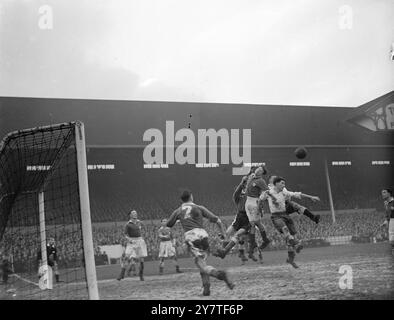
271	179
259	171
387	193
51	241
164	222
186	196
279	183
252	170
133	215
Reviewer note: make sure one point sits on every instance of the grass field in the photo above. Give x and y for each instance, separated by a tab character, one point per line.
317	278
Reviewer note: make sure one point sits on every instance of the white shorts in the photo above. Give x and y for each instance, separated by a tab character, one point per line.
167	249
391	230
197	242
252	209
136	248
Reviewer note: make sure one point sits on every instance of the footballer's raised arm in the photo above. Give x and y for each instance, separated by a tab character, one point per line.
238	190
173	218
264	195
213	218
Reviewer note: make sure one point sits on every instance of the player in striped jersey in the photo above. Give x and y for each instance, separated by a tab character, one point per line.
136	246
191	217
167	248
387	196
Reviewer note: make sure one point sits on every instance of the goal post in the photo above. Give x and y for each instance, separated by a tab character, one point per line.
87	234
45	212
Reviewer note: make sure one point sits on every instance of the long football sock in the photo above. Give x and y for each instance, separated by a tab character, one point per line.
264	235
310	215
229	246
252	242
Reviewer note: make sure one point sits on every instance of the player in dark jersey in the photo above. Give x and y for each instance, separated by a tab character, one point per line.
136	246
51	257
255	185
239	226
387	196
191	217
167	248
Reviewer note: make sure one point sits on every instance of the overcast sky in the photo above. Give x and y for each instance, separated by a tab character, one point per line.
293	52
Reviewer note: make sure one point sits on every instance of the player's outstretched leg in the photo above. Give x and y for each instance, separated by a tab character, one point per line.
228	245
314	217
221	275
213	272
292	206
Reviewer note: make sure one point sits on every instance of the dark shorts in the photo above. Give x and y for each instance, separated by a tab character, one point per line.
241	221
281	220
292	207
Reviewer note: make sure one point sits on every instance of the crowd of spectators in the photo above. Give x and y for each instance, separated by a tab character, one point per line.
112	207
364	224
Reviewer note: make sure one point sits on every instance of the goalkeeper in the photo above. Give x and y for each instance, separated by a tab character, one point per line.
51	258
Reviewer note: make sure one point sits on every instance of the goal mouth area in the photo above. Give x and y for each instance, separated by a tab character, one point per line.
45	212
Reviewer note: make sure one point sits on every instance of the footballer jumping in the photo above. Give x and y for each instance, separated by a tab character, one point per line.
280	217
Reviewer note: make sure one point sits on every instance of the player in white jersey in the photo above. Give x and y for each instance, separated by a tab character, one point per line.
280	218
167	248
292	206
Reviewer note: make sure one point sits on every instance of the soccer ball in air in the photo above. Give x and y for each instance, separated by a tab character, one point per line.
300	152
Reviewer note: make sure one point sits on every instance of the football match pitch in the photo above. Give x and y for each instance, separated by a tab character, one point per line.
359	271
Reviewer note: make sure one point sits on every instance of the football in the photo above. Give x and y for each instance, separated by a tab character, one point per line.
300	152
